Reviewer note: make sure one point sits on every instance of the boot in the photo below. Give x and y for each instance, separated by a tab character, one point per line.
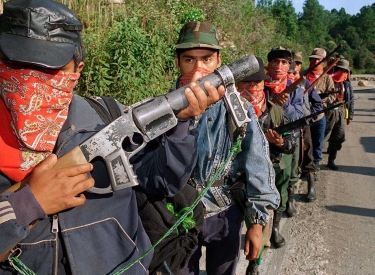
252	268
331	159
276	238
312	178
291	211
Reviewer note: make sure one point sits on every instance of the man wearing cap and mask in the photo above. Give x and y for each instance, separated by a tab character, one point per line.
323	85
312	103
279	60
343	115
269	116
197	50
77	232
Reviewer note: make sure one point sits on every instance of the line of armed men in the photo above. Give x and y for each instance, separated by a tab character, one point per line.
89	186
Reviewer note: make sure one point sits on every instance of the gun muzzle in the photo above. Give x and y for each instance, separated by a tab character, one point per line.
225	75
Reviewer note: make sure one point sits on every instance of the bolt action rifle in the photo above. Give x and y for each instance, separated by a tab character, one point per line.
299	123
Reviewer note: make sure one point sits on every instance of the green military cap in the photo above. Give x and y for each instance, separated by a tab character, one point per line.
198	35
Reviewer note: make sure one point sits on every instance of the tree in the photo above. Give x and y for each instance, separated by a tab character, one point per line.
313	23
365	25
285	14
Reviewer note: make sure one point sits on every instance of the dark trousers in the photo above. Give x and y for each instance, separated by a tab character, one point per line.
317	129
283	170
221	235
335	128
308	165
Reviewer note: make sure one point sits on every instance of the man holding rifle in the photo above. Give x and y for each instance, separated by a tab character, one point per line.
312	104
198	50
324	86
76	231
279	60
338	118
269	115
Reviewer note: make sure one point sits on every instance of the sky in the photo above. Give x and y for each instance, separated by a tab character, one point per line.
351	7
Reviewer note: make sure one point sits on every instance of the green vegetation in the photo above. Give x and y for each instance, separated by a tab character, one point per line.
130	46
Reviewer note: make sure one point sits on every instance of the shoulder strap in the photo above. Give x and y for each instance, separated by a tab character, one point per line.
112	106
107	115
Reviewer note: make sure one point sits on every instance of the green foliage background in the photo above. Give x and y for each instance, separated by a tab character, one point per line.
130	46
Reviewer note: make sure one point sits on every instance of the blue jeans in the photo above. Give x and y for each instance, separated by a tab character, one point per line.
317	129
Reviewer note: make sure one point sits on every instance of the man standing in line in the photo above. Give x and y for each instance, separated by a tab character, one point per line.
197	50
323	86
341	116
312	103
269	115
279	60
78	232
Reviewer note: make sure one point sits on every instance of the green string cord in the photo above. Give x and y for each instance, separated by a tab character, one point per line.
188	223
185	217
20	266
235	149
259	260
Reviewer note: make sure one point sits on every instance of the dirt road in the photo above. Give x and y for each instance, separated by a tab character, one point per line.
336	234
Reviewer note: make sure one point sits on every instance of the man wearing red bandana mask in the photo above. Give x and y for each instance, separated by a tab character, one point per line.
337	119
41	57
269	116
293	74
312	103
279	60
322	86
197	50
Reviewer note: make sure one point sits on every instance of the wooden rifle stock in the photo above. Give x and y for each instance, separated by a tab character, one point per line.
73	157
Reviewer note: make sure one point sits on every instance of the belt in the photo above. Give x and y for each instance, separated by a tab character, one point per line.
217	183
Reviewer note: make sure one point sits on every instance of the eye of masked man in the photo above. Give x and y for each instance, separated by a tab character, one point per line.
204	61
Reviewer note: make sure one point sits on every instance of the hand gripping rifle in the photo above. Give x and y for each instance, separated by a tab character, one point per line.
298	82
299	123
151	118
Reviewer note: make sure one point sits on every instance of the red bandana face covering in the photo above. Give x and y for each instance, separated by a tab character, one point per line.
277	85
186	79
33	109
312	77
278	81
339	76
255	95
